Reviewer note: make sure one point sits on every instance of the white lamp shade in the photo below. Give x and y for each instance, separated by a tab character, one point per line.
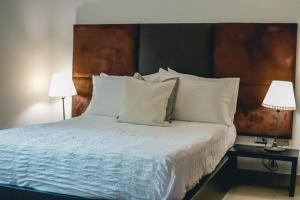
280	96
61	86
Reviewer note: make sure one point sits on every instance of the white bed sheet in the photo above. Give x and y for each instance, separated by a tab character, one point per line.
97	157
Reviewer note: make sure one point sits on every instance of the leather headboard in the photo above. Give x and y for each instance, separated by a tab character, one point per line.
257	53
185	48
100	48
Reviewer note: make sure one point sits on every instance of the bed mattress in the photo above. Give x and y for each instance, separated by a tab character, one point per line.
97	157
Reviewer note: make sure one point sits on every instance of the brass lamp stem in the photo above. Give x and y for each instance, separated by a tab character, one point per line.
63	104
276	128
274	147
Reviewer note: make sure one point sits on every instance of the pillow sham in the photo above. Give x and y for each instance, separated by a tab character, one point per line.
107	95
144	102
152	77
204	99
172	98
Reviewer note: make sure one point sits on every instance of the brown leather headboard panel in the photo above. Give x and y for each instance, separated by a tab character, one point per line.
258	54
100	48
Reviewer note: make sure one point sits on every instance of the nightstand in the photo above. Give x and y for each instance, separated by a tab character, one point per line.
250	151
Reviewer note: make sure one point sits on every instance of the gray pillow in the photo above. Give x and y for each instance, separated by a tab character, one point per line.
172	99
138	76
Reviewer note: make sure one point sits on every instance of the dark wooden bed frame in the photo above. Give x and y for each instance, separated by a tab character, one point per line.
249	51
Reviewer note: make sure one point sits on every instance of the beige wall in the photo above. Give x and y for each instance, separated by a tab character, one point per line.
36	40
24	63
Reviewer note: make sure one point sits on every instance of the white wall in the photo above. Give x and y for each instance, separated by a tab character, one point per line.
36	40
24	63
62	20
143	11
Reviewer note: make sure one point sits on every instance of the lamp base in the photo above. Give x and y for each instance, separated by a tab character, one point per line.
274	149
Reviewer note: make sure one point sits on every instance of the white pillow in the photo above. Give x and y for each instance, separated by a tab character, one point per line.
205	99
145	102
107	95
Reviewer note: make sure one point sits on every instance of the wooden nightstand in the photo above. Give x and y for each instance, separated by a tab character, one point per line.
250	151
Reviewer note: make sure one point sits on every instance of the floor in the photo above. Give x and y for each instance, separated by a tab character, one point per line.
247	192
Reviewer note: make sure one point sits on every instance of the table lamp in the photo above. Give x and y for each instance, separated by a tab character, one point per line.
280	96
62	86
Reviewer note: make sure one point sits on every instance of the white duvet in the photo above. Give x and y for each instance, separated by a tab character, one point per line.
97	157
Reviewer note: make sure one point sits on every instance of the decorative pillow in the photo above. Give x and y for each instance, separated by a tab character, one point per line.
205	99
172	99
107	95
145	102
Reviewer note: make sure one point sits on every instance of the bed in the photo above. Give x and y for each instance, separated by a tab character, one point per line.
95	157
112	160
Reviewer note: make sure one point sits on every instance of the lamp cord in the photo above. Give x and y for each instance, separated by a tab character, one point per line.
271	165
